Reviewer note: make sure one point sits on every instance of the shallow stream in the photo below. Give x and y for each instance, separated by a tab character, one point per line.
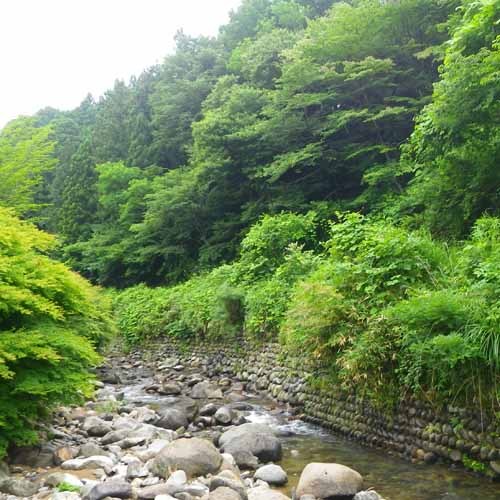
391	476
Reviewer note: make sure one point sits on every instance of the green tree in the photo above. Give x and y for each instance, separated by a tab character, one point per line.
455	149
26	155
51	321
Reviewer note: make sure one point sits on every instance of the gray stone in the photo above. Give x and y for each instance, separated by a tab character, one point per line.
65	495
96	462
170	389
224	415
205	390
91	450
115	489
257	439
224	493
272	474
367	495
4	471
197	457
265	493
153	491
325	480
63	477
18	487
136	469
208	410
34	456
176	482
172	419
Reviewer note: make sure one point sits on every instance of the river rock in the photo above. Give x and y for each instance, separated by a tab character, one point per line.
4	471
64	453
224	493
272	474
228	479
224	415
65	495
114	489
170	389
152	450
186	405
34	456
63	477
265	493
95	462
95	426
256	439
153	491
367	495
197	457
205	390
90	449
18	487
208	410
176	482
324	480
172	419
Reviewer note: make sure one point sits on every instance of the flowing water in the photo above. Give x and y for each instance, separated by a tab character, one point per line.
391	476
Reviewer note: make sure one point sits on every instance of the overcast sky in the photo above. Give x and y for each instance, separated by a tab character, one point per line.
53	52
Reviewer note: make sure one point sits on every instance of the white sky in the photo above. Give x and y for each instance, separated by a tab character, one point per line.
53	52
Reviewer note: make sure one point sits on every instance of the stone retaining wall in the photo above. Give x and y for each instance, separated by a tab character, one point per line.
415	430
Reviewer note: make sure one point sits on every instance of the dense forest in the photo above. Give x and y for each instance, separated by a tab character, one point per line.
325	174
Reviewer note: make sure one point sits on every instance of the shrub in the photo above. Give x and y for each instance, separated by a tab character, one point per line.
51	321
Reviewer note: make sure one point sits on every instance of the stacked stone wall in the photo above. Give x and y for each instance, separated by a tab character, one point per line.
415	430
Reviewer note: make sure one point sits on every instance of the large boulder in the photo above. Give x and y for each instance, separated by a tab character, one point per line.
272	474
323	480
184	404
197	457
205	390
255	439
34	456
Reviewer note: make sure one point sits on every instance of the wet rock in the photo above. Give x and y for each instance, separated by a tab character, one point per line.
224	493
172	419
224	415
95	426
272	474
324	480
197	457
114	489
205	390
256	439
18	487
186	405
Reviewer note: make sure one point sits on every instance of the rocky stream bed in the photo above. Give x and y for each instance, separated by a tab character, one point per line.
158	429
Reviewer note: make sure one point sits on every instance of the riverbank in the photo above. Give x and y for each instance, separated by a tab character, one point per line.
113	446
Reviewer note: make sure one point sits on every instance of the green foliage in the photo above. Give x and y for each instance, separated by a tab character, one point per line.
25	157
67	487
454	150
51	321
